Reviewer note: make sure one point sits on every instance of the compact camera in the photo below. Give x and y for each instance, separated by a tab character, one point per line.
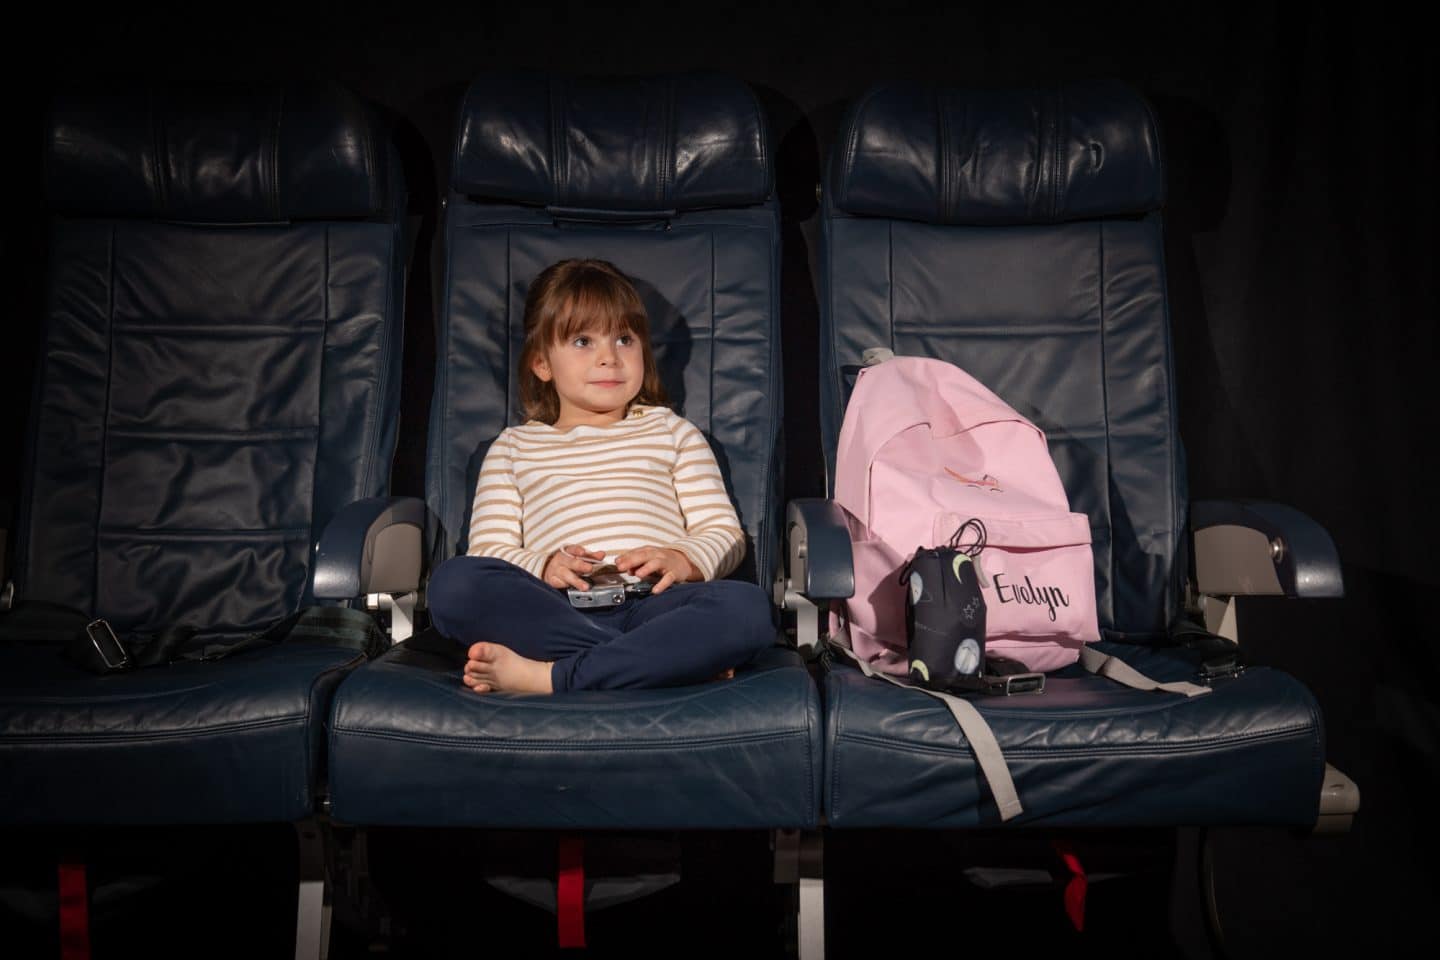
608	587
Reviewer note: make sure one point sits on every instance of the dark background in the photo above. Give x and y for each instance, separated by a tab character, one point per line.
1302	149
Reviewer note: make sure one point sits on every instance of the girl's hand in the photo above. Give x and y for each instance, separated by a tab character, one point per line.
565	566
672	564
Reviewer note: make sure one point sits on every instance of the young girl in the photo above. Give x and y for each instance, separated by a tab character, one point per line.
602	471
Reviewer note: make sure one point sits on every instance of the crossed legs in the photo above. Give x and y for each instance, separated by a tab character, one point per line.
524	636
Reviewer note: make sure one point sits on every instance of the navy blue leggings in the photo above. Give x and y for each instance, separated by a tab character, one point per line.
688	634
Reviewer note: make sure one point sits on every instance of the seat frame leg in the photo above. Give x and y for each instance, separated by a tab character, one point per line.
312	914
799	860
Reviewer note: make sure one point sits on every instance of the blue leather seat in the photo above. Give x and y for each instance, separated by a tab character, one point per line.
1018	235
671	179
220	375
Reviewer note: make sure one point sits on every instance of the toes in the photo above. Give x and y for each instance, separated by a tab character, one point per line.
483	652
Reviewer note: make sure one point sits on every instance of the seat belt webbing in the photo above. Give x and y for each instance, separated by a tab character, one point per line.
977	731
1113	668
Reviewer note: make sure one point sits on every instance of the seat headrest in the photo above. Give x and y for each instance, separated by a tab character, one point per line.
222	155
682	142
917	152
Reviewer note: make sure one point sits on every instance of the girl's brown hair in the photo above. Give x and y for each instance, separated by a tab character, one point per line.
567	299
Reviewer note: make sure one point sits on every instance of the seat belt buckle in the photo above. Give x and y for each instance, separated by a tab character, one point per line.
112	652
1012	683
1001	684
1227	669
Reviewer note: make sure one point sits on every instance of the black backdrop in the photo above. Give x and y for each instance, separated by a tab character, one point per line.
1302	143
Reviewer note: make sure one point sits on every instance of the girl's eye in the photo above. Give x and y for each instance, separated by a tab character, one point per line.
625	340
580	342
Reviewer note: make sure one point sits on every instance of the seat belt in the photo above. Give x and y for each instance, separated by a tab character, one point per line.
983	744
93	645
981	738
1113	668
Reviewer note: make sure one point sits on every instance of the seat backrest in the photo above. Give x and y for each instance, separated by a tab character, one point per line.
220	363
1017	234
670	179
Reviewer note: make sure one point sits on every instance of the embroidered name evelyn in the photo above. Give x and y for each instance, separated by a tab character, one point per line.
1029	593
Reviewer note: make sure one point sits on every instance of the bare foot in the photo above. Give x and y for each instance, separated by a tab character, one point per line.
493	667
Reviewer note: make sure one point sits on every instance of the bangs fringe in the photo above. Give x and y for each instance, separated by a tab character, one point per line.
598	307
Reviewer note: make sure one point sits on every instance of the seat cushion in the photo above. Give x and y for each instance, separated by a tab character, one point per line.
411	745
229	741
1086	752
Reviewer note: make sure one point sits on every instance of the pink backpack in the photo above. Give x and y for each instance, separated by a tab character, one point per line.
925	447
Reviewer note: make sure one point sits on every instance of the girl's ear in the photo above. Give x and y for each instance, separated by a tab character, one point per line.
540	366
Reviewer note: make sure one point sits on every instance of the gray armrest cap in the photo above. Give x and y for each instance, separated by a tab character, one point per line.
1255	547
371	546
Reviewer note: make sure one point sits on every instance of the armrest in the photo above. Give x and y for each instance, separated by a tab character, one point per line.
817	550
371	546
1257	548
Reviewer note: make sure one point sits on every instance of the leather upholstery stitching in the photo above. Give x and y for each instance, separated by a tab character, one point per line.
273	191
160	201
105	421
1057	172
379	192
762	148
1108	599
852	145
316	774
165	735
1081	752
315	456
942	133
666	148
558	154
1177	508
373	420
477	742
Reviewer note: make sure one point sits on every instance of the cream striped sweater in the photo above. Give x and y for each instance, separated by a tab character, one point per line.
649	479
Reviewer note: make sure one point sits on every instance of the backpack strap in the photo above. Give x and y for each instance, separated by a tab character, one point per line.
977	732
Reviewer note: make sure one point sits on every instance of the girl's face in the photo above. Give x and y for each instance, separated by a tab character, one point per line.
596	375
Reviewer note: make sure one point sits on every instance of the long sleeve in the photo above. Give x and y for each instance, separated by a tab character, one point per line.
713	539
496	518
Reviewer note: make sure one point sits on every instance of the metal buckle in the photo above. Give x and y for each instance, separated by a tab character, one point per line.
1228	670
102	634
1014	683
1003	685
